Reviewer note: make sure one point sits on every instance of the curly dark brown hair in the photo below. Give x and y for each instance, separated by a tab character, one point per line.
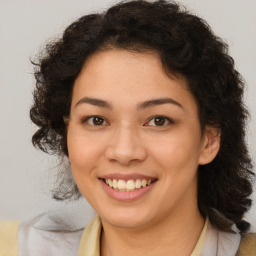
187	47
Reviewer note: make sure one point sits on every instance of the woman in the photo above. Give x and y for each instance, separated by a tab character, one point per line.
145	103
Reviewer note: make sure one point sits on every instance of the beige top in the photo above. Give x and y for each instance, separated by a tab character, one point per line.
8	238
61	233
90	241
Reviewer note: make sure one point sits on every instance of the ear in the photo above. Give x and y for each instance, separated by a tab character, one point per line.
66	121
210	145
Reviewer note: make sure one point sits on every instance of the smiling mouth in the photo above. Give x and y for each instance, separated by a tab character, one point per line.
129	185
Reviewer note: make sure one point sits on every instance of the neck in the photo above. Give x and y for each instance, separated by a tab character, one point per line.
174	235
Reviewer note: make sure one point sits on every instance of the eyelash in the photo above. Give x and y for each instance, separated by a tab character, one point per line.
169	121
86	119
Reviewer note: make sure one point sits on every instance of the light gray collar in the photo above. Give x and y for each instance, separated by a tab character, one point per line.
219	243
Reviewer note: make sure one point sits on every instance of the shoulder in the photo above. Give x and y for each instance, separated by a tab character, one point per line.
54	233
247	245
8	238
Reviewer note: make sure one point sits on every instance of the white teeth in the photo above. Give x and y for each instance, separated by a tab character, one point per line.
129	185
115	184
121	185
110	183
143	183
138	183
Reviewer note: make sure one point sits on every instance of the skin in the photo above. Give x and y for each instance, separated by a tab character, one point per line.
128	141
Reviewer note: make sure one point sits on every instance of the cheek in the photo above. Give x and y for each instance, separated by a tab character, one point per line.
181	150
83	154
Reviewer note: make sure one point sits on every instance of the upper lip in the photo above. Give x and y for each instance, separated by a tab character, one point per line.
126	177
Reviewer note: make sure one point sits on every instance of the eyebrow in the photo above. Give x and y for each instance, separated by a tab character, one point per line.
156	102
95	102
140	106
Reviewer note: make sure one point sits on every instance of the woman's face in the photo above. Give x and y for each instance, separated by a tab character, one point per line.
134	140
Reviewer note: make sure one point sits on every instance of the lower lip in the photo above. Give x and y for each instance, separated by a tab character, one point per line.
126	196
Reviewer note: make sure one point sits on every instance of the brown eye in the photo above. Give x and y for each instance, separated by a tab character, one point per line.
159	121
95	121
98	120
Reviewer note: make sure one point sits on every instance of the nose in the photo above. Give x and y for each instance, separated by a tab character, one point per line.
126	146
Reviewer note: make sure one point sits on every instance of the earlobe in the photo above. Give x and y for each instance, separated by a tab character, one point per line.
66	121
210	145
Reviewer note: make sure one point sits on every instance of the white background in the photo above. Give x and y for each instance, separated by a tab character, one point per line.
26	174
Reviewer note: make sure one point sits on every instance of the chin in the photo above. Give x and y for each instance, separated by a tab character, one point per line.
127	218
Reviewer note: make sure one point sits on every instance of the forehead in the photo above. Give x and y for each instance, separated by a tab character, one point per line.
122	74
